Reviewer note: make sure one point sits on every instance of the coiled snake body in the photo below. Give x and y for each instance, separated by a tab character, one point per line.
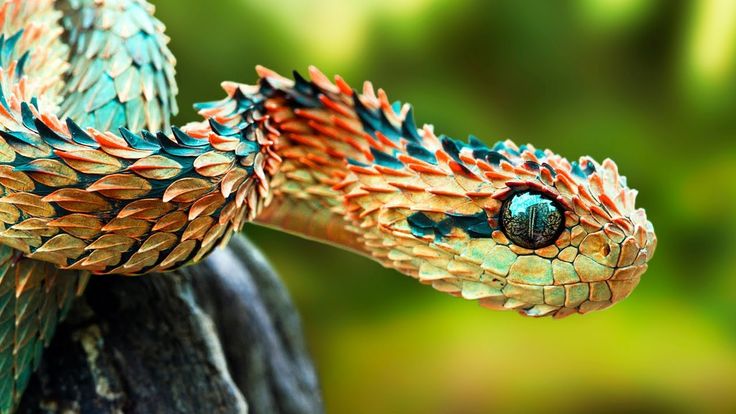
93	180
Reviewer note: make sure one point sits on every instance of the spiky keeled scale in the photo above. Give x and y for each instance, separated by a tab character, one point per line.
69	187
87	199
34	296
123	72
430	206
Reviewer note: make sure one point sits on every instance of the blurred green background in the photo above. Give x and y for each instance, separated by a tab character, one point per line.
648	83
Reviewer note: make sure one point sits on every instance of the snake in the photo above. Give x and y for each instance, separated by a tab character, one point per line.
94	180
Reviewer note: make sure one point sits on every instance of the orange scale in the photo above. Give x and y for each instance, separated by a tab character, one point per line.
340	109
610	204
343	86
420	168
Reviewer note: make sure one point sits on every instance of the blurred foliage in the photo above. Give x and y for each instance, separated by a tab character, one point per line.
648	83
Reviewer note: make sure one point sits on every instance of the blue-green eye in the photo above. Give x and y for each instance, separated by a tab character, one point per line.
531	220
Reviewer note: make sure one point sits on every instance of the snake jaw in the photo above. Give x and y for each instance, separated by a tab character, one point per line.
580	273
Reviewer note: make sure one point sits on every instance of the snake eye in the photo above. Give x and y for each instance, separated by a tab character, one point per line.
531	220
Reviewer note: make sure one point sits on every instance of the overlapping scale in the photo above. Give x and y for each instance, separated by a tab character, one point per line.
429	205
91	199
123	73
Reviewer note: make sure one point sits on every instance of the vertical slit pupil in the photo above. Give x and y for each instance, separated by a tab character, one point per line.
531	220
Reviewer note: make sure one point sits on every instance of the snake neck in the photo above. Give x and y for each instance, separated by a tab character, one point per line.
339	149
308	199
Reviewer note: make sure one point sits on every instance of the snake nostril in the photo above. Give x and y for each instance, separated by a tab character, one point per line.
606	250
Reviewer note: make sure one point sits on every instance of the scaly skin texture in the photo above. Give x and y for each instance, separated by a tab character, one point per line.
85	188
430	207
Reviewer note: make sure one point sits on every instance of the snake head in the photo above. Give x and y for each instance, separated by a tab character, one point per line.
512	227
